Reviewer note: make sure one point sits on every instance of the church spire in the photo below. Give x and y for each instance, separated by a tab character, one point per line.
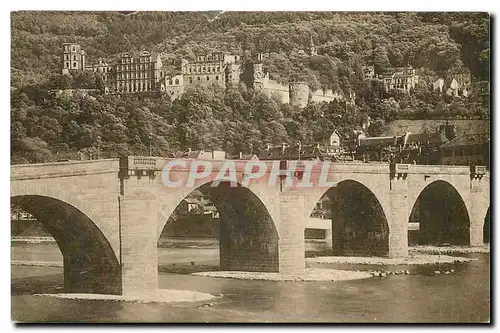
312	48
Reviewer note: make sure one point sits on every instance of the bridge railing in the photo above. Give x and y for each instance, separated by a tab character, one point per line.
58	169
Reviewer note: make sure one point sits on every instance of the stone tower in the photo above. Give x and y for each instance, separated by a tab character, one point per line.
233	72
72	58
299	94
258	75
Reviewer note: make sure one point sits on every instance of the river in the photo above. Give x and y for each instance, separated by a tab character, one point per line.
420	297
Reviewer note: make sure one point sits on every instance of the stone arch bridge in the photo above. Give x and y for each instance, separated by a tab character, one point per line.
106	215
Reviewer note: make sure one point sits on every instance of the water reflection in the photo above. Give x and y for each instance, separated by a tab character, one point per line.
420	297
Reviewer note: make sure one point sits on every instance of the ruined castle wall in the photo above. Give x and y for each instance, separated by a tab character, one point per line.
272	87
299	94
321	95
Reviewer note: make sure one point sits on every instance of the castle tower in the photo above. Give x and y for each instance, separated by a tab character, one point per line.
299	94
258	75
72	58
233	72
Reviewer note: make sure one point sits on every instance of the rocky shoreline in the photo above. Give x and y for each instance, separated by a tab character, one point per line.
311	274
413	259
429	249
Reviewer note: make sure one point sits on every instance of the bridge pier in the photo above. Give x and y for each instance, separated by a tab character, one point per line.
291	243
398	218
478	210
329	239
138	239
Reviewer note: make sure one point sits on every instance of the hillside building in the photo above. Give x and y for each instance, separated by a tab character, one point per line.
144	72
129	74
404	79
72	58
138	74
207	70
457	84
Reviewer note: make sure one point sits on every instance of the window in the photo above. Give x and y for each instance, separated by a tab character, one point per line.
190	70
208	78
73	48
190	80
66	57
176	81
74	57
67	65
459	151
448	152
468	151
198	78
170	82
217	77
74	64
218	69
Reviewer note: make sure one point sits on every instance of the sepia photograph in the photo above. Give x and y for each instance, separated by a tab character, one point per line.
250	167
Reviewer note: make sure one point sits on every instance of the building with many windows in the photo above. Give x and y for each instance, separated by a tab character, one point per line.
142	73
404	79
72	58
129	74
208	69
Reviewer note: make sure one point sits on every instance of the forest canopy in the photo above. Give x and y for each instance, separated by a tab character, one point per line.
43	124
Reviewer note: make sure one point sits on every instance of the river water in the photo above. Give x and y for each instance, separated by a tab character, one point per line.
420	297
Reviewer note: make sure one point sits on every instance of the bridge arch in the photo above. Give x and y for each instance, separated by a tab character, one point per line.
90	264
248	237
441	216
359	221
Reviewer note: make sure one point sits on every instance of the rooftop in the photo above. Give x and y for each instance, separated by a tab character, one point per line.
467	140
462	126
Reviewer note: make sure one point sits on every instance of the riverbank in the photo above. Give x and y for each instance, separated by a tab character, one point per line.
36	263
154	296
33	239
311	274
412	259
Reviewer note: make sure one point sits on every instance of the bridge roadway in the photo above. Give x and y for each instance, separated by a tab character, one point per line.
107	215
